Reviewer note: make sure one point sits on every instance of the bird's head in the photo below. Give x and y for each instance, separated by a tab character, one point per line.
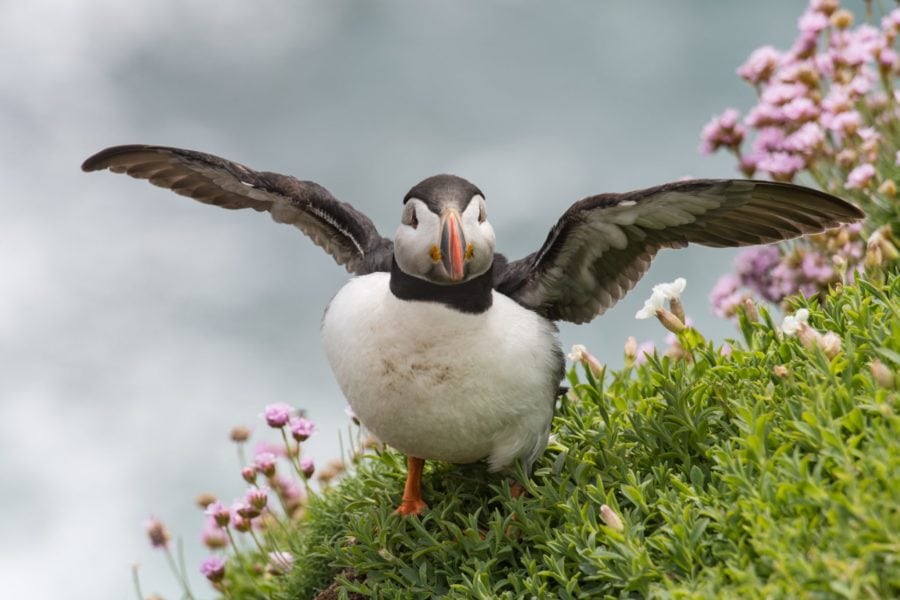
444	236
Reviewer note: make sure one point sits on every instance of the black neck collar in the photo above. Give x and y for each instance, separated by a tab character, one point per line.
473	296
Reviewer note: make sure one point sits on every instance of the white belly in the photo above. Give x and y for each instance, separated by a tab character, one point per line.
440	384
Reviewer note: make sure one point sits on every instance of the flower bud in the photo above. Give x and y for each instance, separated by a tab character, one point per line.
827	7
612	520
213	568
631	346
669	320
883	375
205	499
307	466
780	371
677	309
249	474
842	19
888	188
240	434
808	336
257	498
750	310
830	343
245	511
157	532
219	513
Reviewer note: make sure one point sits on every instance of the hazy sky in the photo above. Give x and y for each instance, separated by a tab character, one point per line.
136	326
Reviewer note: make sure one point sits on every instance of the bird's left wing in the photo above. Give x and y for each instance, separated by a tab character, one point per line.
603	245
345	233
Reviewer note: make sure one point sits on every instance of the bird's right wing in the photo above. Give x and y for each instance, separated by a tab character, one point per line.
602	245
345	233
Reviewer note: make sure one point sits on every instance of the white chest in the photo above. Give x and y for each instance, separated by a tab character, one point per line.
440	384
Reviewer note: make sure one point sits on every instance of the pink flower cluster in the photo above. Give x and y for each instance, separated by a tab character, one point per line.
818	101
773	274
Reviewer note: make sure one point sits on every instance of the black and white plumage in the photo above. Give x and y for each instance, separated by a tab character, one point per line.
444	348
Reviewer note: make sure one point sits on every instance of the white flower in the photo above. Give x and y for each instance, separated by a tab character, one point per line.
792	323
577	353
661	292
671	291
653	304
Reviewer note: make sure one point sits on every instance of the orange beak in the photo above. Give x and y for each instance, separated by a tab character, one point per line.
453	245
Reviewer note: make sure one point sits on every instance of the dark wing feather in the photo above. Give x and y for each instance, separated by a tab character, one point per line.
603	244
345	233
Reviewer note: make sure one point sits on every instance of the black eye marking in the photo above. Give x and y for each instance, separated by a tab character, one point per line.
481	214
413	221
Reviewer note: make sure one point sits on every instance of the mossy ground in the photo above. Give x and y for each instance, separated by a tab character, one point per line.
732	481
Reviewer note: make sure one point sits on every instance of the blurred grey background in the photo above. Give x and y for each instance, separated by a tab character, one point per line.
137	327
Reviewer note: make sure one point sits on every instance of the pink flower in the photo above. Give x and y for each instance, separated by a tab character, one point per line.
213	568
760	65
240	523
307	466
219	513
844	122
837	100
801	109
782	166
764	114
262	446
157	532
812	21
257	497
265	463
249	474
887	58
860	176
781	93
644	350
891	21
277	415
806	140
244	510
301	428
726	296
723	130
287	488
769	139
280	562
816	267
213	536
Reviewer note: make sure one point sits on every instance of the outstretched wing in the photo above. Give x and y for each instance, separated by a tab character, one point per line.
603	244
345	233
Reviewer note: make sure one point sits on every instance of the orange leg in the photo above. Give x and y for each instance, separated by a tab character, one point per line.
412	503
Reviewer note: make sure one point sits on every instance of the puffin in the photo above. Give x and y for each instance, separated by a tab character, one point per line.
446	350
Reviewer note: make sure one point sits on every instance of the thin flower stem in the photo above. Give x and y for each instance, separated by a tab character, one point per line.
256	540
240	558
137	581
290	456
178	574
180	545
237	551
242	458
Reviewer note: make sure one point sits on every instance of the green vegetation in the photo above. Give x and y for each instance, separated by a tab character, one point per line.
770	472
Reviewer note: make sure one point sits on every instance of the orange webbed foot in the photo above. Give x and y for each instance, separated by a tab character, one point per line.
411	507
412	503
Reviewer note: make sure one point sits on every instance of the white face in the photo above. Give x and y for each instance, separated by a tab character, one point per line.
417	243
